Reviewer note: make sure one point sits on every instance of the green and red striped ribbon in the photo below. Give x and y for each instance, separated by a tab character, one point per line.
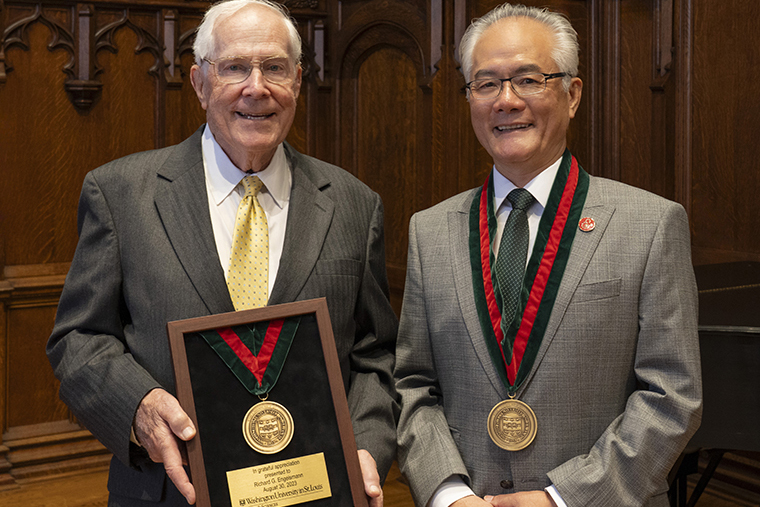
255	353
543	274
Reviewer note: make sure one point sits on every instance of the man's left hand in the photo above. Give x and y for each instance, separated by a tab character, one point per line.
371	479
522	499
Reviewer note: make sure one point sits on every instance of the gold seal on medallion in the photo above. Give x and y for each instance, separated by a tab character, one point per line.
512	425
268	427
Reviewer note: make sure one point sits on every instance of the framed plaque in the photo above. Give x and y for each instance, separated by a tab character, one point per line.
265	391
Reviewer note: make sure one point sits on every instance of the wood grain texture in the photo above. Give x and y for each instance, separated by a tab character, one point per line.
387	123
726	124
47	144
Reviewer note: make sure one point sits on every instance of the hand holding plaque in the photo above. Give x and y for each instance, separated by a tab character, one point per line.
158	420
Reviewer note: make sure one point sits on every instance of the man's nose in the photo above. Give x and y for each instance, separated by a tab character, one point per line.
507	97
256	84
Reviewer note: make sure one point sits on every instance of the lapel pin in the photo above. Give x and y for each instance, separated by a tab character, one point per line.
586	224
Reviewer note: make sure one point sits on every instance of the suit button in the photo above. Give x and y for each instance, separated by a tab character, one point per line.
507	484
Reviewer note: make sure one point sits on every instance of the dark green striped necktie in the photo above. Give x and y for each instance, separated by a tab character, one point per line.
513	253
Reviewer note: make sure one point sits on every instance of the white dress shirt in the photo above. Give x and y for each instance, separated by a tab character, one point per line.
454	488
225	193
540	187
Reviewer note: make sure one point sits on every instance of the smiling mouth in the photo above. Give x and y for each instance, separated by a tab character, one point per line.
254	116
510	128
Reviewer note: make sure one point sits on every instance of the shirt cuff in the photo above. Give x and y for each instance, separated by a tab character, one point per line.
450	490
555	496
133	437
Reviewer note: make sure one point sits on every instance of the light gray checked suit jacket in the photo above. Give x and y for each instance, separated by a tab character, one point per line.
147	255
616	385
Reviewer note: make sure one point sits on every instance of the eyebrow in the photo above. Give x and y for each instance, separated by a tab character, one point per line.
249	57
523	69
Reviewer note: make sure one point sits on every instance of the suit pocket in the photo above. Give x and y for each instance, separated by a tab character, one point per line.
338	267
597	291
338	281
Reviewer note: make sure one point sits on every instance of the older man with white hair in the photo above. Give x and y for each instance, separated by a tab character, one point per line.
156	244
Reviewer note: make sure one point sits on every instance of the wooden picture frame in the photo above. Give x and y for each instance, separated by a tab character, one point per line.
310	385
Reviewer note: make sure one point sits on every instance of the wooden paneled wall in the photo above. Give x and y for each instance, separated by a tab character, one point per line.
669	104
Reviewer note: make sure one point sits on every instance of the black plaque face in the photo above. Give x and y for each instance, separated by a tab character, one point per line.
310	387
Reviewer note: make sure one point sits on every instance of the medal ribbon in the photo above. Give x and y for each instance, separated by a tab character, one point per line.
543	275
254	353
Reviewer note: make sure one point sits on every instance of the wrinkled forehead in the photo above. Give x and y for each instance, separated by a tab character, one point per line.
252	30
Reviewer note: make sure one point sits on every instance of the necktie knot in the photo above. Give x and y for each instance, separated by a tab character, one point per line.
520	198
252	185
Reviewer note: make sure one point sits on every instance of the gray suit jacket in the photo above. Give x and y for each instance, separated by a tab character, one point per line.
616	384
147	255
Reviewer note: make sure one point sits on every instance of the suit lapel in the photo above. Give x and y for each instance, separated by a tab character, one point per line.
459	233
182	204
309	216
584	246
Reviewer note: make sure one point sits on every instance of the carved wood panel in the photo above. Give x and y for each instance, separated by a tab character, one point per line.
726	125
32	392
80	84
387	122
383	102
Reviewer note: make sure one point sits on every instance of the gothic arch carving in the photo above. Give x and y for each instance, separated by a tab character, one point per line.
16	34
146	42
82	44
376	36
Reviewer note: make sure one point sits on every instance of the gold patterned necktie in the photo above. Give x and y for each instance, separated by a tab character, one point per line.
248	276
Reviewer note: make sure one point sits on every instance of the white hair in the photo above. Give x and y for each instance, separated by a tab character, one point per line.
565	54
205	41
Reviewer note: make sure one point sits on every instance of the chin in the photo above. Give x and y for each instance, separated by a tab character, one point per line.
512	158
254	141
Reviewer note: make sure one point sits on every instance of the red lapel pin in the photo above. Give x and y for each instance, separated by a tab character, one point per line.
586	224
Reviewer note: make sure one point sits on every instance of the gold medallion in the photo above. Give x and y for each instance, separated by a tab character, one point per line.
512	425
268	427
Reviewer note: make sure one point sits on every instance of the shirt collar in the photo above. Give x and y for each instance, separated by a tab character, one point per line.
223	176
540	186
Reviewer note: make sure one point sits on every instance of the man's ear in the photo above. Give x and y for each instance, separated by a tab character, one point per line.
574	95
198	80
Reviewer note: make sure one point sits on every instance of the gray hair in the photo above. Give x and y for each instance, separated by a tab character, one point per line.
205	42
565	54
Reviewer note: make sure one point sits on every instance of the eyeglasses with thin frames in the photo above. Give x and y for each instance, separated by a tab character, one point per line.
236	69
522	85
